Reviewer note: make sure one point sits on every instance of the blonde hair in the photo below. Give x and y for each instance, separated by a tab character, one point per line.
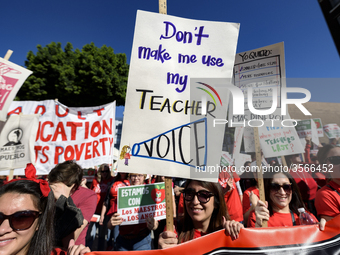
124	151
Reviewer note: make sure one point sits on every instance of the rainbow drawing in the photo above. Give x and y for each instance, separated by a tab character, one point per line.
212	89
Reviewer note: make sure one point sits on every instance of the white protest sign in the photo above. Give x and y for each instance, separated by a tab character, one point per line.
226	159
12	77
277	140
332	130
240	160
168	115
262	70
17	141
237	141
248	139
319	127
84	134
137	203
315	135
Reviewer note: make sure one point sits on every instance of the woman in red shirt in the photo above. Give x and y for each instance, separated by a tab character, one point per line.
205	211
283	200
327	201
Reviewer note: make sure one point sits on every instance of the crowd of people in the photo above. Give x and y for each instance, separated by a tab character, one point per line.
53	215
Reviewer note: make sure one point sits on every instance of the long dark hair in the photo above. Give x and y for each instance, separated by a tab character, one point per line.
216	220
42	242
296	201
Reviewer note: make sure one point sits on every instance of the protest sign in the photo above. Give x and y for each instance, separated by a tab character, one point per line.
84	134
319	127
226	159
237	141
307	240
248	139
17	141
240	160
308	128
137	203
168	114
277	140
332	130
12	77
261	70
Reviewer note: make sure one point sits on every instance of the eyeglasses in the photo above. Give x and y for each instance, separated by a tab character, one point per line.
335	160
276	187
203	195
20	220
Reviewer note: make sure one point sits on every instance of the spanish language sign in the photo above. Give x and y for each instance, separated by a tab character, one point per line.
137	203
261	72
84	134
12	77
17	141
168	114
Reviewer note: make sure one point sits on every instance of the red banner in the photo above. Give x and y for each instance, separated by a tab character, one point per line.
282	240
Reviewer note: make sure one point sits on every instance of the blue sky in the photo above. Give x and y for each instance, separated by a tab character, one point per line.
309	48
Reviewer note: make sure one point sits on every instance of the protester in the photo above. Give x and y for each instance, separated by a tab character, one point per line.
133	237
283	200
27	218
65	178
303	178
204	212
327	201
228	180
110	203
100	185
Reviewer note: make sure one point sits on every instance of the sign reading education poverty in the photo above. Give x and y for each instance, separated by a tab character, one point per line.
262	72
12	77
17	141
278	141
84	134
168	115
137	203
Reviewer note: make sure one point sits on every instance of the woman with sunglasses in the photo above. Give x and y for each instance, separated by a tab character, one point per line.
27	218
205	212
327	201
283	200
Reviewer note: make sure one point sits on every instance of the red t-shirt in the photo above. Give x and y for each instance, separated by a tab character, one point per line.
113	194
232	198
305	182
86	200
246	196
327	201
100	189
278	219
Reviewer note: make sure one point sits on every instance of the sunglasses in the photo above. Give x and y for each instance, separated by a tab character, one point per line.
203	195
20	220
276	187
106	171
335	160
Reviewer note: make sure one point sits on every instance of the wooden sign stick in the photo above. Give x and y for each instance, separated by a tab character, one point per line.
168	180
7	56
259	170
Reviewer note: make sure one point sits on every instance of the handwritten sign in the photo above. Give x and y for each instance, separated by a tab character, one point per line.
137	203
84	134
332	130
12	77
168	116
237	140
277	140
262	70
